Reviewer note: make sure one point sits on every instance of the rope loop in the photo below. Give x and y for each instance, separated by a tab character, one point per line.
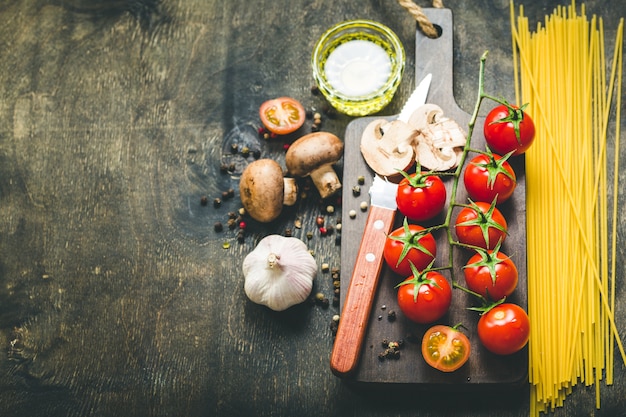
418	14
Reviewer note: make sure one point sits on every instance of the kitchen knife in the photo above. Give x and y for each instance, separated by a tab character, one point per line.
369	262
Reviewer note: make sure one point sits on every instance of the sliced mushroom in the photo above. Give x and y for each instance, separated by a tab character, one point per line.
439	146
387	147
314	155
264	190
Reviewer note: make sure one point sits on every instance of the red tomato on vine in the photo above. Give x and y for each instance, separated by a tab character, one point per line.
488	176
481	224
508	128
421	196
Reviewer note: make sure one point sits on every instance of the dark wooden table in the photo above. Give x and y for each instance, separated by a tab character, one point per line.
117	296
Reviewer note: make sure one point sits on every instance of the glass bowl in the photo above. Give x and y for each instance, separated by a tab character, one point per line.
358	65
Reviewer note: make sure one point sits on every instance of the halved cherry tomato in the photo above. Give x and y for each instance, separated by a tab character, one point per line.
282	115
408	244
445	348
424	297
492	274
509	128
481	224
504	329
421	196
489	176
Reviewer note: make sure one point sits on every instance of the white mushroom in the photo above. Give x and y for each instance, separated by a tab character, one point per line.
314	155
439	145
387	147
264	190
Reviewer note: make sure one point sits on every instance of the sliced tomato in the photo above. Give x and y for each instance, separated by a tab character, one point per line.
282	115
445	348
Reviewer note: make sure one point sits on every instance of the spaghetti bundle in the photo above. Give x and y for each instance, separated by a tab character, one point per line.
560	70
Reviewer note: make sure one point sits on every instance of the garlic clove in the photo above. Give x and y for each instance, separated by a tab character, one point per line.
279	272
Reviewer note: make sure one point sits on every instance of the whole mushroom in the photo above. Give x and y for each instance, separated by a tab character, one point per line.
264	190
314	155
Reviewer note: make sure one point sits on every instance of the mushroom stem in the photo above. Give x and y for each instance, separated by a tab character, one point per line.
325	180
291	191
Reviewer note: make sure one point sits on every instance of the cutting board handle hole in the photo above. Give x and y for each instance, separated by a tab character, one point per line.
439	30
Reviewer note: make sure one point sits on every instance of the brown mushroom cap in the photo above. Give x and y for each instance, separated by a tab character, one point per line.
314	154
262	191
312	151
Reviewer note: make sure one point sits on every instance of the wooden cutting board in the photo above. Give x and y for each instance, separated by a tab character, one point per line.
484	369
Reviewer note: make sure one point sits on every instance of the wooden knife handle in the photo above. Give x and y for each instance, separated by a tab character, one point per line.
361	291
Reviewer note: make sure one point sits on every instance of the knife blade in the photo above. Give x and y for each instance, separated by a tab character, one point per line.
369	262
416	99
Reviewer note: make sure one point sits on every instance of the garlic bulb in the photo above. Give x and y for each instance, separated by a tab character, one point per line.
279	272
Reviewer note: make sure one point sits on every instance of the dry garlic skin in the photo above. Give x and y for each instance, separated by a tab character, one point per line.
279	272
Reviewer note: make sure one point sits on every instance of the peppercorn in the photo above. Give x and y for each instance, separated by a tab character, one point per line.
232	223
230	193
204	200
363	205
319	221
309	235
288	233
217	202
218	227
245	151
325	267
352	214
391	316
361	179
356	191
234	148
323	231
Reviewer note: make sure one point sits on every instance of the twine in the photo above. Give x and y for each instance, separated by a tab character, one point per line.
418	14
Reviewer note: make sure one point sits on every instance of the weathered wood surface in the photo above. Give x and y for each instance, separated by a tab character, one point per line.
117	297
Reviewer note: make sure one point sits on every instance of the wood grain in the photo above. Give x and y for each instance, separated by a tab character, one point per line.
117	297
362	287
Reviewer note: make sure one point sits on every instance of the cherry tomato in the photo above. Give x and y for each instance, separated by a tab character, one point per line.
509	129
282	115
491	274
421	196
445	348
408	244
424	297
481	224
504	329
489	176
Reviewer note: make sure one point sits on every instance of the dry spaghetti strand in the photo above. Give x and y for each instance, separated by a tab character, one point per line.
571	286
